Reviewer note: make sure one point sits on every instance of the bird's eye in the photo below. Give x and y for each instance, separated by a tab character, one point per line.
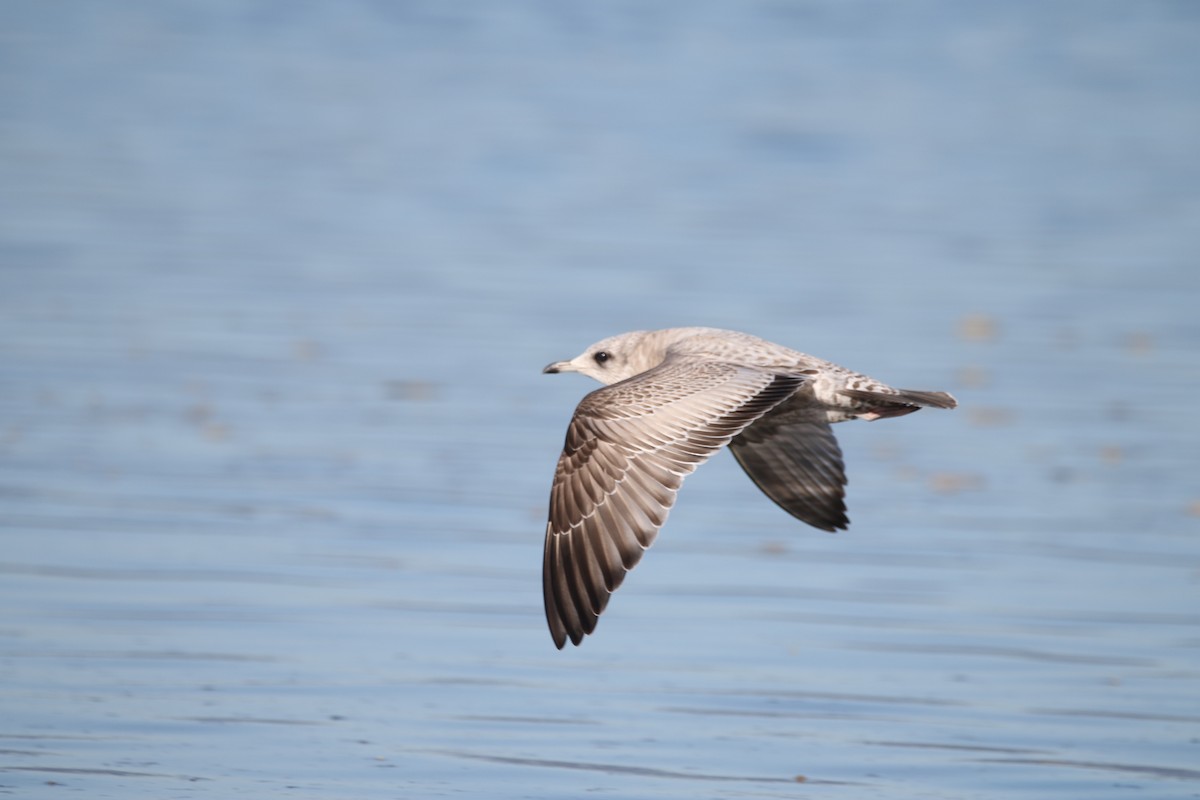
602	356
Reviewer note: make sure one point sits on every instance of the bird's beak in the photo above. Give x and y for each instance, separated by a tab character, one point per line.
558	366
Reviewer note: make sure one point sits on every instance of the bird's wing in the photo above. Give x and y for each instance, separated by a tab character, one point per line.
628	448
792	455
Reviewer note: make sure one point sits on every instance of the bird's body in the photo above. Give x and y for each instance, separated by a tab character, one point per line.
672	398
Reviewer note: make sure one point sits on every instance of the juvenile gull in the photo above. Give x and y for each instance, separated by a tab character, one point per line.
673	398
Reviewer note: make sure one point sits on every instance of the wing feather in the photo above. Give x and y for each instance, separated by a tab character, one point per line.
793	457
627	450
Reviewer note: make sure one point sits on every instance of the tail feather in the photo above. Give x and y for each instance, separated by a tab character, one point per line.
905	397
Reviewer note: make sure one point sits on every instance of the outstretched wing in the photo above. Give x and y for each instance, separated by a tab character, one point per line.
794	458
628	449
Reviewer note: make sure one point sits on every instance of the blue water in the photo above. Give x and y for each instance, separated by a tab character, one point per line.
277	282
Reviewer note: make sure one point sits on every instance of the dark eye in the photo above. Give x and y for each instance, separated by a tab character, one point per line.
602	356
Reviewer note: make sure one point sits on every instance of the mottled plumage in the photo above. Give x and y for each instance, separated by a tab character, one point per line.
673	398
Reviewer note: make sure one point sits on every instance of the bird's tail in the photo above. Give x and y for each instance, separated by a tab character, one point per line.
902	401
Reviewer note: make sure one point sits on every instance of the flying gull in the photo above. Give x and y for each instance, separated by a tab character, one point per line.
673	398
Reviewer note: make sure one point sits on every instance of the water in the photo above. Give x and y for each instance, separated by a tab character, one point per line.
276	285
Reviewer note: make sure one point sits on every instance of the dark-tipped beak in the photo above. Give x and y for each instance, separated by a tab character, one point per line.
551	369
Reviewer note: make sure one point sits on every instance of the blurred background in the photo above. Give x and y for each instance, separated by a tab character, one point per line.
277	281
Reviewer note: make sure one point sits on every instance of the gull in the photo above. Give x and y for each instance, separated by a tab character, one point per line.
672	398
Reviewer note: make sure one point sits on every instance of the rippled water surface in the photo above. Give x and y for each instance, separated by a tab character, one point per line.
276	285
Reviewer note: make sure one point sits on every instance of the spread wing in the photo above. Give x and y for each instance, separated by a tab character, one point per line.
792	455
628	449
